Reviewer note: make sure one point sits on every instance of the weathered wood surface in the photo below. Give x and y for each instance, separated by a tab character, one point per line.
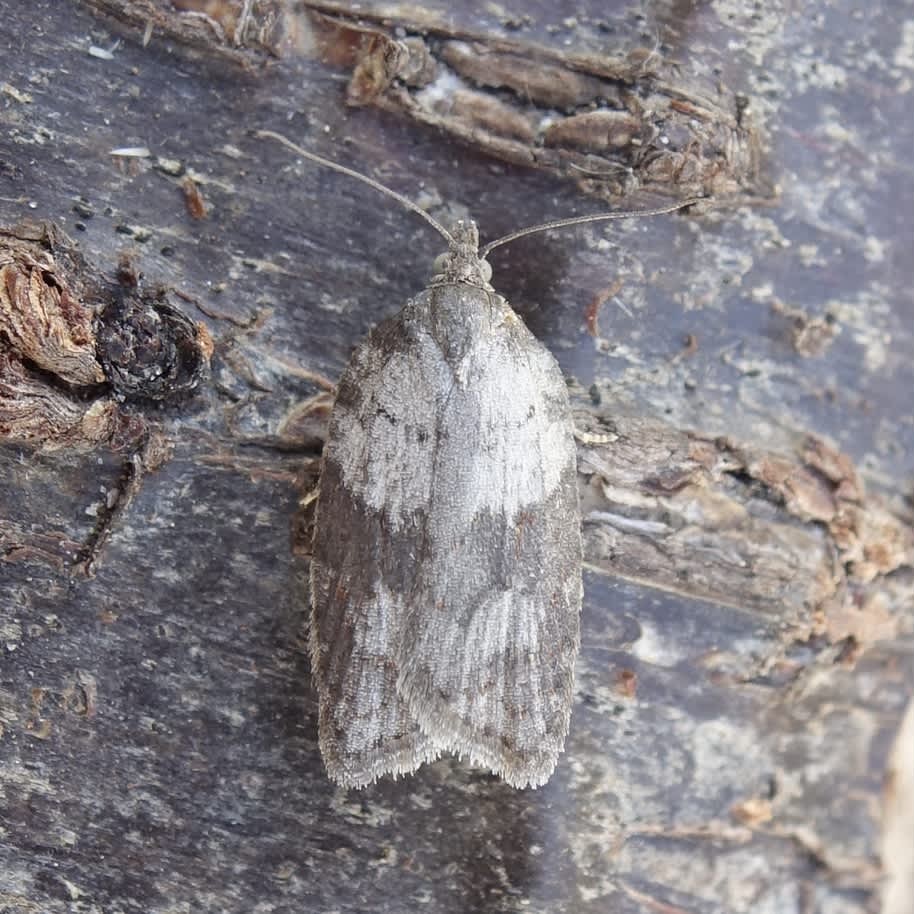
743	400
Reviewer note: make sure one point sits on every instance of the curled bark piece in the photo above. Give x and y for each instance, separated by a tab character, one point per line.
617	125
32	412
42	317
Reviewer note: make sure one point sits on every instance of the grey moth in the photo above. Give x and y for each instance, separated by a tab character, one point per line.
446	571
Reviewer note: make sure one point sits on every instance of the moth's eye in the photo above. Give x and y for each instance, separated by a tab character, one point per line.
486	269
441	262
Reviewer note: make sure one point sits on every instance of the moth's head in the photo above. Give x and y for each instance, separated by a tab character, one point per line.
462	263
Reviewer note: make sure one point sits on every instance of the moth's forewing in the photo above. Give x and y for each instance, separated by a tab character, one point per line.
362	555
492	620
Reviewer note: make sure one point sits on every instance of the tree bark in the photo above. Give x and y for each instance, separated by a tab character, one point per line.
178	298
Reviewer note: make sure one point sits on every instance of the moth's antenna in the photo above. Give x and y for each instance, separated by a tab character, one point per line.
329	163
579	220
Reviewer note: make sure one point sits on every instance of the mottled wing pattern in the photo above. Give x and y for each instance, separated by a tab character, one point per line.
446	570
381	431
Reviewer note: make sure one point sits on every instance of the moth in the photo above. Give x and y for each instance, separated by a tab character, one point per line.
446	569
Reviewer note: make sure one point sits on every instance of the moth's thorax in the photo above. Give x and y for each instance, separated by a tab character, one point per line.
462	263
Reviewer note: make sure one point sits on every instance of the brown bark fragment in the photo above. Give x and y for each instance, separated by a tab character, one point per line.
480	111
543	84
193	198
48	304
40	319
32	412
596	131
240	30
616	126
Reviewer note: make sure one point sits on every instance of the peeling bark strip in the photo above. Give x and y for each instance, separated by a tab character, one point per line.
82	355
42	321
52	390
616	126
795	538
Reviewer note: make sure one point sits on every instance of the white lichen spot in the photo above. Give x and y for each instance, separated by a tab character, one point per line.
654	648
904	53
875	349
11	633
810	256
441	90
874	249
